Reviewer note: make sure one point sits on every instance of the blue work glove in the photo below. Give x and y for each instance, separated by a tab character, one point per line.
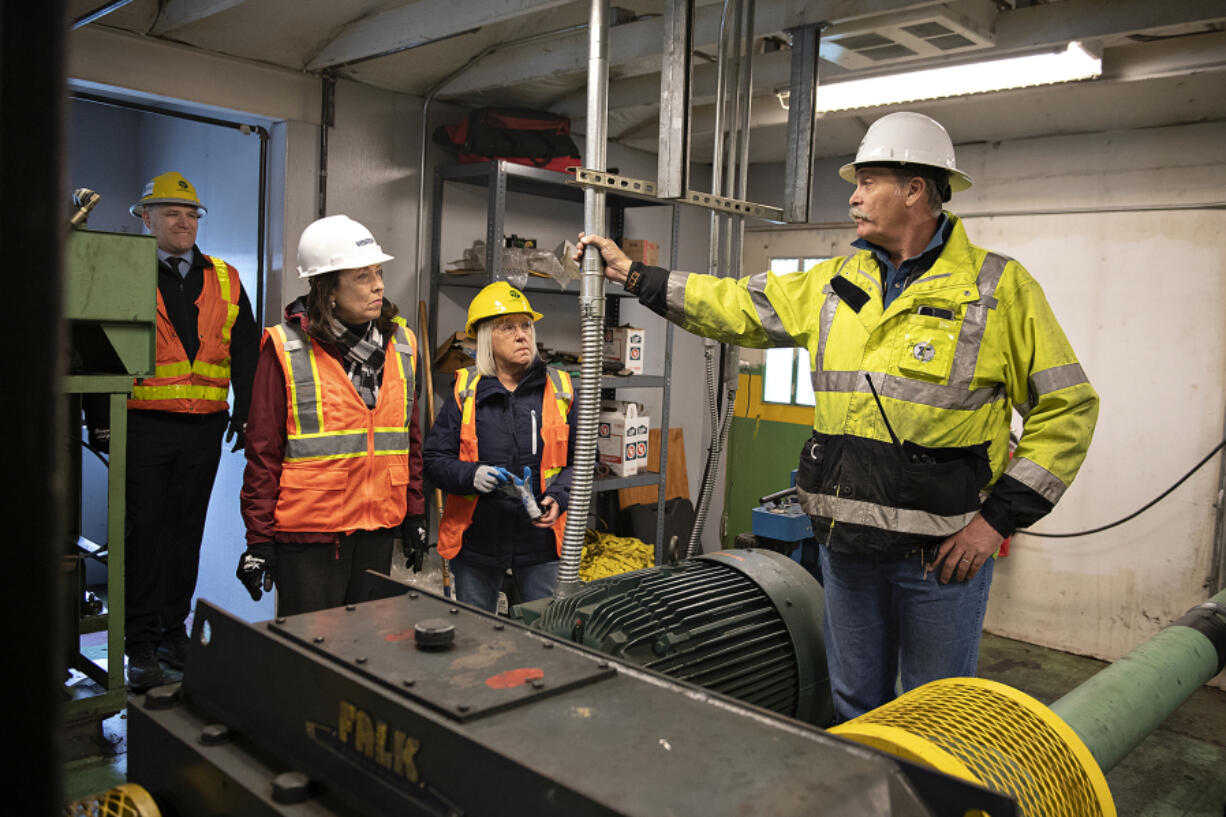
521	489
487	478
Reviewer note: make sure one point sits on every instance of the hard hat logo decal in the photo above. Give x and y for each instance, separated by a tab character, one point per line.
183	184
365	241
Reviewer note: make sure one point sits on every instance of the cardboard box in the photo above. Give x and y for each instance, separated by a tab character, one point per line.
641	250
624	345
622	440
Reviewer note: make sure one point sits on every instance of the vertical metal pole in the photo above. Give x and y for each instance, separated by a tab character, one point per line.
666	398
591	305
494	222
802	122
327	118
673	167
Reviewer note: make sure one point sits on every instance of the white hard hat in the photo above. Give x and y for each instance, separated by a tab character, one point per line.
907	138
337	242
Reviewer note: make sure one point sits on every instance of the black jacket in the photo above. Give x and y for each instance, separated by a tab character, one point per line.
501	535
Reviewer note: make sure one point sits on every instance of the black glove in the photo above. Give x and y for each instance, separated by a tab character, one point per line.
100	438
414	540
255	569
239	431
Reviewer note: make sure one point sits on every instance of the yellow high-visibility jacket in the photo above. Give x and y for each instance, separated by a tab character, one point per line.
967	342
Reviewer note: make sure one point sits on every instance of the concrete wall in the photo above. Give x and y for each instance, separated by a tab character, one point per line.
1140	290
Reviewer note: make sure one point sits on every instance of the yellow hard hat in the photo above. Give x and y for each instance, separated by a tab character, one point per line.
499	298
168	188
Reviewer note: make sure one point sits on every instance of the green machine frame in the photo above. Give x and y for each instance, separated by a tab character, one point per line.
110	315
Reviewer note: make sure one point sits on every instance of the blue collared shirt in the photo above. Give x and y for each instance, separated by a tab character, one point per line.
896	279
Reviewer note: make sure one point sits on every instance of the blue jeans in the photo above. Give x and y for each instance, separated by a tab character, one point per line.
479	585
886	618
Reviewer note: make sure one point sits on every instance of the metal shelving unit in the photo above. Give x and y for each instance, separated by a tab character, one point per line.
500	178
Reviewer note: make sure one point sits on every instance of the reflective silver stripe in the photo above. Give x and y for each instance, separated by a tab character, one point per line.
767	316
405	349
1056	378
559	387
391	441
674	296
895	520
935	395
825	321
975	321
860	272
344	444
470	383
406	354
1024	409
298	348
1037	478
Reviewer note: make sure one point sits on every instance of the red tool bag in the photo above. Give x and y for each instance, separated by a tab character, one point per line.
519	135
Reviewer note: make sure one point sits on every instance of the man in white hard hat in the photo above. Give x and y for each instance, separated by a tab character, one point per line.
921	345
206	342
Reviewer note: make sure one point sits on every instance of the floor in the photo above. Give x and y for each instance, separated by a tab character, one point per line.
1180	769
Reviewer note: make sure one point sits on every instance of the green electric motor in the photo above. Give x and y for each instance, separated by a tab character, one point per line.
745	623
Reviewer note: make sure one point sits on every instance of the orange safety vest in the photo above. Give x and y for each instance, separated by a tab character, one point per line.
458	510
199	386
345	466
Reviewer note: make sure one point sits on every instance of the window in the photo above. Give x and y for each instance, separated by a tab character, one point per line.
786	375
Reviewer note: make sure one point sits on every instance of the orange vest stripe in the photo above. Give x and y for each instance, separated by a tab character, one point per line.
458	509
200	386
345	466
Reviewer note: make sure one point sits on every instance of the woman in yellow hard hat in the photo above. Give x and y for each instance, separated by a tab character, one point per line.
333	472
501	451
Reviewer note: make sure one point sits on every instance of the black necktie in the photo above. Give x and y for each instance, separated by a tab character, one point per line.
176	264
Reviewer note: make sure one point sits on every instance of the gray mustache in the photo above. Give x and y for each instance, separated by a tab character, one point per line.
856	212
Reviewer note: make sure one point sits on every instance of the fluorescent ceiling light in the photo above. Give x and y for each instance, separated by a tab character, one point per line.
1073	63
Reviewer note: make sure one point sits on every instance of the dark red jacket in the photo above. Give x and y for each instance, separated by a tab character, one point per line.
266	446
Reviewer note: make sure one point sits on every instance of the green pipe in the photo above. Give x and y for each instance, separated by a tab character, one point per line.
1117	708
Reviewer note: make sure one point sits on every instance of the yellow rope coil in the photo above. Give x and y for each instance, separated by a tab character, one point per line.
992	734
607	555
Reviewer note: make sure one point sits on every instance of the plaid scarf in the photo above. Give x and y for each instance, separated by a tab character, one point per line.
363	356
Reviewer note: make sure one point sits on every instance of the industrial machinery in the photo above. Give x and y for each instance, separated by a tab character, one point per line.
410	703
744	623
110	310
779	523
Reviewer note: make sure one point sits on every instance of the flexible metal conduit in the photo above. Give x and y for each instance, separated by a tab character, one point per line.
591	306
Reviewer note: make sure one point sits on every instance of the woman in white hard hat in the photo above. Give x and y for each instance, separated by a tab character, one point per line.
333	443
501	451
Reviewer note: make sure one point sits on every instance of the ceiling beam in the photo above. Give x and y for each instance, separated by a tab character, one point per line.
176	14
1058	23
1033	27
635	47
419	23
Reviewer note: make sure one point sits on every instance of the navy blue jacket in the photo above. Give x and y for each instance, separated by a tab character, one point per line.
501	535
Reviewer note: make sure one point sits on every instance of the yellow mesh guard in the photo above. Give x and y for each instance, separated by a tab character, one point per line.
987	732
127	800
